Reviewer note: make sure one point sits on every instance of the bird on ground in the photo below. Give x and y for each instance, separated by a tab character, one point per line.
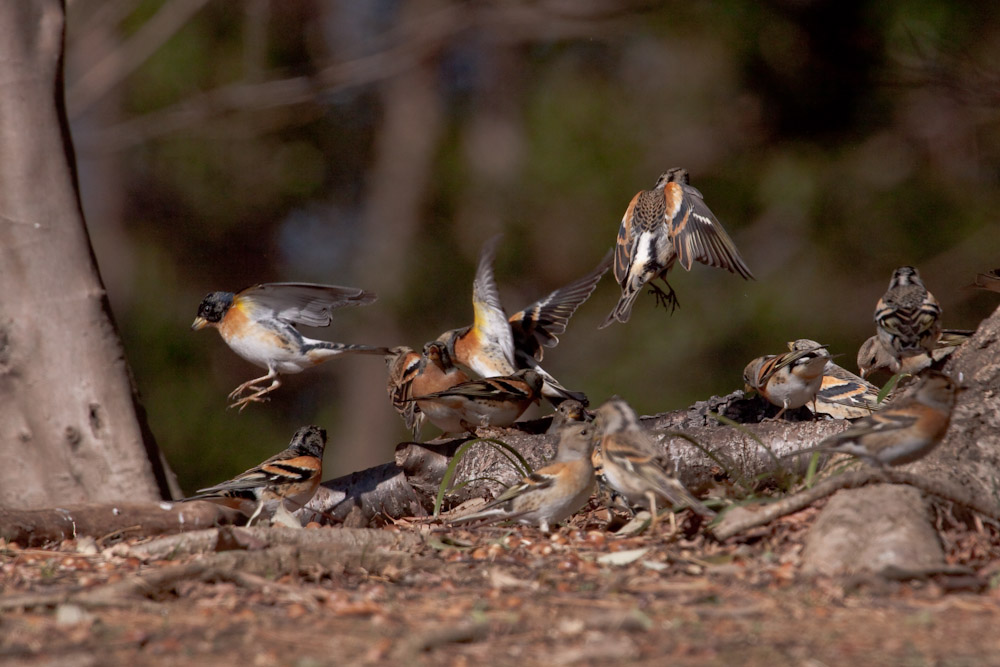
495	344
905	430
632	466
258	323
667	224
788	380
286	481
907	317
551	494
495	401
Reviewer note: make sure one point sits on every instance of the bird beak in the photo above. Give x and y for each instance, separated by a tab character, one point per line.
199	323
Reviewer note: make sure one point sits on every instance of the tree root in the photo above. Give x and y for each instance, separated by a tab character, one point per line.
741	519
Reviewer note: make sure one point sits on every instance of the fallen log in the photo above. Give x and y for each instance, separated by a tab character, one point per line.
109	521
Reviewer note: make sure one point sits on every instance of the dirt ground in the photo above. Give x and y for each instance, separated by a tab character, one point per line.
504	596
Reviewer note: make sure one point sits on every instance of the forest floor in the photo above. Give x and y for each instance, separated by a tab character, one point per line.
498	596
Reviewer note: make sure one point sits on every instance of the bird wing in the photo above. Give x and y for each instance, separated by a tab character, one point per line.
490	318
304	303
501	388
887	420
696	233
277	470
541	323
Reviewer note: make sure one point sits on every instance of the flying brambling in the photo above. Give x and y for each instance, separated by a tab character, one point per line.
872	355
907	317
258	323
553	493
414	374
905	430
788	380
632	466
286	481
567	412
661	226
497	345
495	401
842	394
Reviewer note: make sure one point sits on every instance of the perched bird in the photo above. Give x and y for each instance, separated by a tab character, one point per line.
258	323
873	356
414	374
286	481
631	464
664	225
842	394
495	344
553	493
495	401
788	380
568	412
907	316
902	432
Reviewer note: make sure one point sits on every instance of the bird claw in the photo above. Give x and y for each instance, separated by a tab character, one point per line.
247	400
666	299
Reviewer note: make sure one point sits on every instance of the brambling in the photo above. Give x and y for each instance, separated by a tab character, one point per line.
414	374
551	494
403	362
494	401
258	323
873	356
788	380
497	345
631	464
842	394
905	430
661	226
286	481
907	317
567	412
988	281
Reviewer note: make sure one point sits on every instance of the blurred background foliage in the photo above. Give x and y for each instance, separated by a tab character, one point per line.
380	143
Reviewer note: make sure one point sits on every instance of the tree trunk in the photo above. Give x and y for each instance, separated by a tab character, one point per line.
69	430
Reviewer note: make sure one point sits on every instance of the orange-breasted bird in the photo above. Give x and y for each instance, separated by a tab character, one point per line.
904	431
286	481
788	380
495	344
668	224
258	323
494	401
414	374
550	494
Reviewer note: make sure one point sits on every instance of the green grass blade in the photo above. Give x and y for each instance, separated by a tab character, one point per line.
514	457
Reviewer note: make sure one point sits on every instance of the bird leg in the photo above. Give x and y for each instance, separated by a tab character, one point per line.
258	391
256	513
668	299
652	509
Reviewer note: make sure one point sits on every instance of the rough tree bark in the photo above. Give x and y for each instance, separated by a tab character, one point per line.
70	430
